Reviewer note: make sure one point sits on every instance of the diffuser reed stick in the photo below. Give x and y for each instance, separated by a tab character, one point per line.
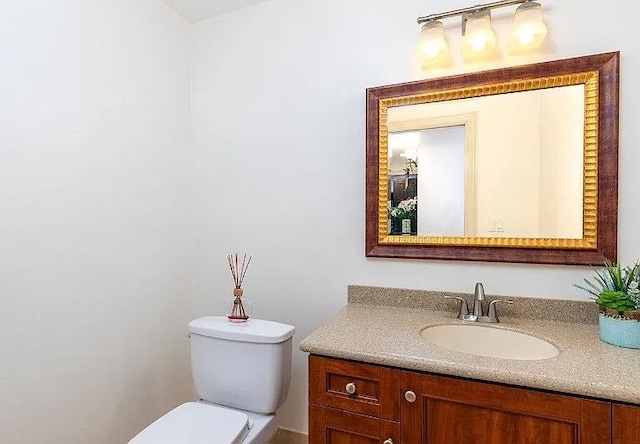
238	271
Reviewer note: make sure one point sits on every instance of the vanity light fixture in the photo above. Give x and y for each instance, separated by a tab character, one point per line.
405	142
528	31
479	39
434	49
410	154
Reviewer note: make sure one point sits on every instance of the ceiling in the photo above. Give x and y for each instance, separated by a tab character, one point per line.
194	10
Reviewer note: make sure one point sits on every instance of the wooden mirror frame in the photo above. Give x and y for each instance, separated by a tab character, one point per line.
600	75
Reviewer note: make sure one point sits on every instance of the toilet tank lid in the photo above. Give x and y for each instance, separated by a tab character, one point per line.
254	330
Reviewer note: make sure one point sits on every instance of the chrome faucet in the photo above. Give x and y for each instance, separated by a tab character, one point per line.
479	300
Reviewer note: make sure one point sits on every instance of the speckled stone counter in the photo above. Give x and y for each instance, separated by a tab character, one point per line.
390	335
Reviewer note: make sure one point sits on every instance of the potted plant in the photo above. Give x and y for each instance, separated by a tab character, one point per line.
617	293
407	212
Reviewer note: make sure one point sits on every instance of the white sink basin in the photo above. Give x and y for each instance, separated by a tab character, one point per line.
489	341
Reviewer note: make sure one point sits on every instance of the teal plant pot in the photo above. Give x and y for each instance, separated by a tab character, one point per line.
619	331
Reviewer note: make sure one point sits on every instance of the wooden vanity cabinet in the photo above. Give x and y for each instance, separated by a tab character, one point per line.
392	406
450	410
626	424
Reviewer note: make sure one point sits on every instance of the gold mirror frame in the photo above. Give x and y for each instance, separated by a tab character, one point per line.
600	76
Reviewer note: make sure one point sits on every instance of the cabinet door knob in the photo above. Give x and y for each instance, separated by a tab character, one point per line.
350	388
388	441
410	396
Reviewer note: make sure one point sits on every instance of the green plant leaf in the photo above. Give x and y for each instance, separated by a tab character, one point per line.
614	286
595	288
617	277
616	300
593	291
630	275
605	280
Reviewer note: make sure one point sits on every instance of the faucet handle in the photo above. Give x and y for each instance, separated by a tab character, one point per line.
492	308
464	307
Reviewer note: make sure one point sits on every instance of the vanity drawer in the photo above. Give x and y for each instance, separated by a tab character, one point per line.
360	388
329	426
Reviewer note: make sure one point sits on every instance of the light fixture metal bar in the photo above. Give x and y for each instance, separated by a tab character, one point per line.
469	10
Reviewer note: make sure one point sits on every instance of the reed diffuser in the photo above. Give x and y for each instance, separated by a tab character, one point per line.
241	305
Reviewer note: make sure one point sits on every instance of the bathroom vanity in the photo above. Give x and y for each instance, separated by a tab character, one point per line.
373	378
377	403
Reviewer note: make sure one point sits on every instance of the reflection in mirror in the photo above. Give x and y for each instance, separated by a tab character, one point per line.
509	165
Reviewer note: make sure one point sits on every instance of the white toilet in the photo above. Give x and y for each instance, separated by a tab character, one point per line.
241	374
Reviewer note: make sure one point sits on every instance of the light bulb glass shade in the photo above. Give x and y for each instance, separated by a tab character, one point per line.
404	140
433	49
410	153
528	30
479	39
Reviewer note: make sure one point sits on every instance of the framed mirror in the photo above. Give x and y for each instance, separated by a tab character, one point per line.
513	165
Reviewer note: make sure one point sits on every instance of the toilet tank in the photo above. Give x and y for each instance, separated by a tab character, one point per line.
241	365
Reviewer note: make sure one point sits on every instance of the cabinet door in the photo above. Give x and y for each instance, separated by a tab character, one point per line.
626	424
330	426
456	411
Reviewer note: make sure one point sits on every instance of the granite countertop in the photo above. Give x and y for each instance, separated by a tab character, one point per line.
390	335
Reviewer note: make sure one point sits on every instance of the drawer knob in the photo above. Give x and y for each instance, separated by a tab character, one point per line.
388	441
350	388
410	396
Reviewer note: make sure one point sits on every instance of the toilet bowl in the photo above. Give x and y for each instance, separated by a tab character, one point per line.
241	373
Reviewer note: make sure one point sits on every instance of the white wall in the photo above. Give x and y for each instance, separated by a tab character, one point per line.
279	112
95	197
508	179
561	162
94	226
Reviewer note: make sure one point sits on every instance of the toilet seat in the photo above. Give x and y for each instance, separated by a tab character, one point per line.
196	423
